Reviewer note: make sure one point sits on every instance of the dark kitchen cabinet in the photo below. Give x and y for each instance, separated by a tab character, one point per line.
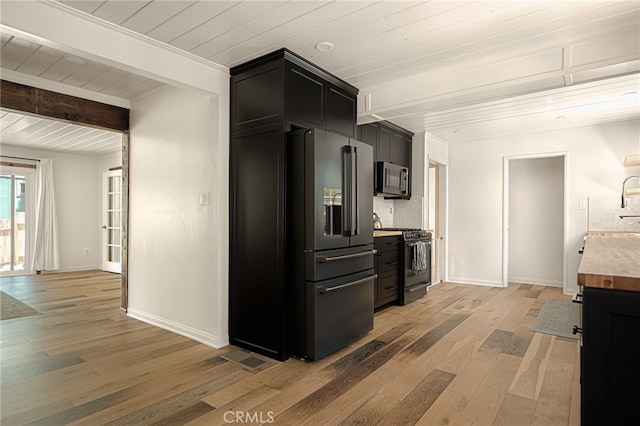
384	144
271	96
256	263
312	101
610	355
388	267
400	149
340	111
305	102
284	87
368	133
391	143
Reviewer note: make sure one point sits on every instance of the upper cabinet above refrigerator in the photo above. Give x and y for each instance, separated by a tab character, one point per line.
284	87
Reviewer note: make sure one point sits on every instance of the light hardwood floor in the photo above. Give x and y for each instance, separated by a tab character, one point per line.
463	355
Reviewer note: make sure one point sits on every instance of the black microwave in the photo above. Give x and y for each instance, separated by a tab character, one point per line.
391	179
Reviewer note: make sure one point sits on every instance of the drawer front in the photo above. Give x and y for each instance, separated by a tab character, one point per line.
323	265
384	244
389	263
388	288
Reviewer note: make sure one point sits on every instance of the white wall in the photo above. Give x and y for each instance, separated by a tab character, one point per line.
536	220
595	167
78	192
174	258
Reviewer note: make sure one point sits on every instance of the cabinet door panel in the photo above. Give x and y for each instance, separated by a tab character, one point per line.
400	150
368	133
384	144
305	94
257	97
341	112
257	241
610	353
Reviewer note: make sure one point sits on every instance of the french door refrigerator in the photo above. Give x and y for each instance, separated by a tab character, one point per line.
331	244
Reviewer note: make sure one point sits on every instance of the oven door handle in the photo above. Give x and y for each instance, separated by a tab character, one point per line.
416	288
324	259
427	242
325	290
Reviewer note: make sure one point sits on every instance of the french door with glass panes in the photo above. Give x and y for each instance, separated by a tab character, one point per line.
112	221
16	216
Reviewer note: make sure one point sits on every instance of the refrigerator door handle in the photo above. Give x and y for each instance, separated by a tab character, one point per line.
355	208
325	259
350	184
346	182
325	290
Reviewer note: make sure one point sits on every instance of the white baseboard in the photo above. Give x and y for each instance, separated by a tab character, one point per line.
58	271
192	333
459	280
73	269
535	281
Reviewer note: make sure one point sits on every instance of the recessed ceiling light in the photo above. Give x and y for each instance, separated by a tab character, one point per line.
75	60
630	94
561	117
324	46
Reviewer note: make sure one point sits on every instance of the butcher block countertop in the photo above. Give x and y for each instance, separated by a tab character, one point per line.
385	233
378	233
611	260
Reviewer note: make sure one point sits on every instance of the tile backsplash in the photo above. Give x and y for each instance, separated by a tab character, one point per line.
384	208
605	212
408	213
399	213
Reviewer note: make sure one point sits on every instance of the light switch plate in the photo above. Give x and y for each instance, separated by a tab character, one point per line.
582	205
204	198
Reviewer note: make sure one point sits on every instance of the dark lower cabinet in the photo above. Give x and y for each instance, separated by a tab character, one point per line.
387	266
610	357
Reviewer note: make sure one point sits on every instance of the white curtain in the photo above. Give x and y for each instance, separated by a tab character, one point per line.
46	256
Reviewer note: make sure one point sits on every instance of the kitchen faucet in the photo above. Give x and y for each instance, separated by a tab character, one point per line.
623	203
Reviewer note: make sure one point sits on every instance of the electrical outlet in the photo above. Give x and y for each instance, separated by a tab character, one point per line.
205	196
86	250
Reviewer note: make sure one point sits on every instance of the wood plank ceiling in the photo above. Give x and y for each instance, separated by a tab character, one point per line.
484	66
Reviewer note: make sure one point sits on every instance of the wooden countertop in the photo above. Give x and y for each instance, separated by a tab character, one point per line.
386	233
377	233
611	260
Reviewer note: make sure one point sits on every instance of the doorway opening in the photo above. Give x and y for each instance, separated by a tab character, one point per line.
535	220
437	220
16	219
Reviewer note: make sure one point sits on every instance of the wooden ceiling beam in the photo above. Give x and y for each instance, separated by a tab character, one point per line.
41	102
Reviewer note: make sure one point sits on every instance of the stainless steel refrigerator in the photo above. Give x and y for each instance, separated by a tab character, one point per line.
330	242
